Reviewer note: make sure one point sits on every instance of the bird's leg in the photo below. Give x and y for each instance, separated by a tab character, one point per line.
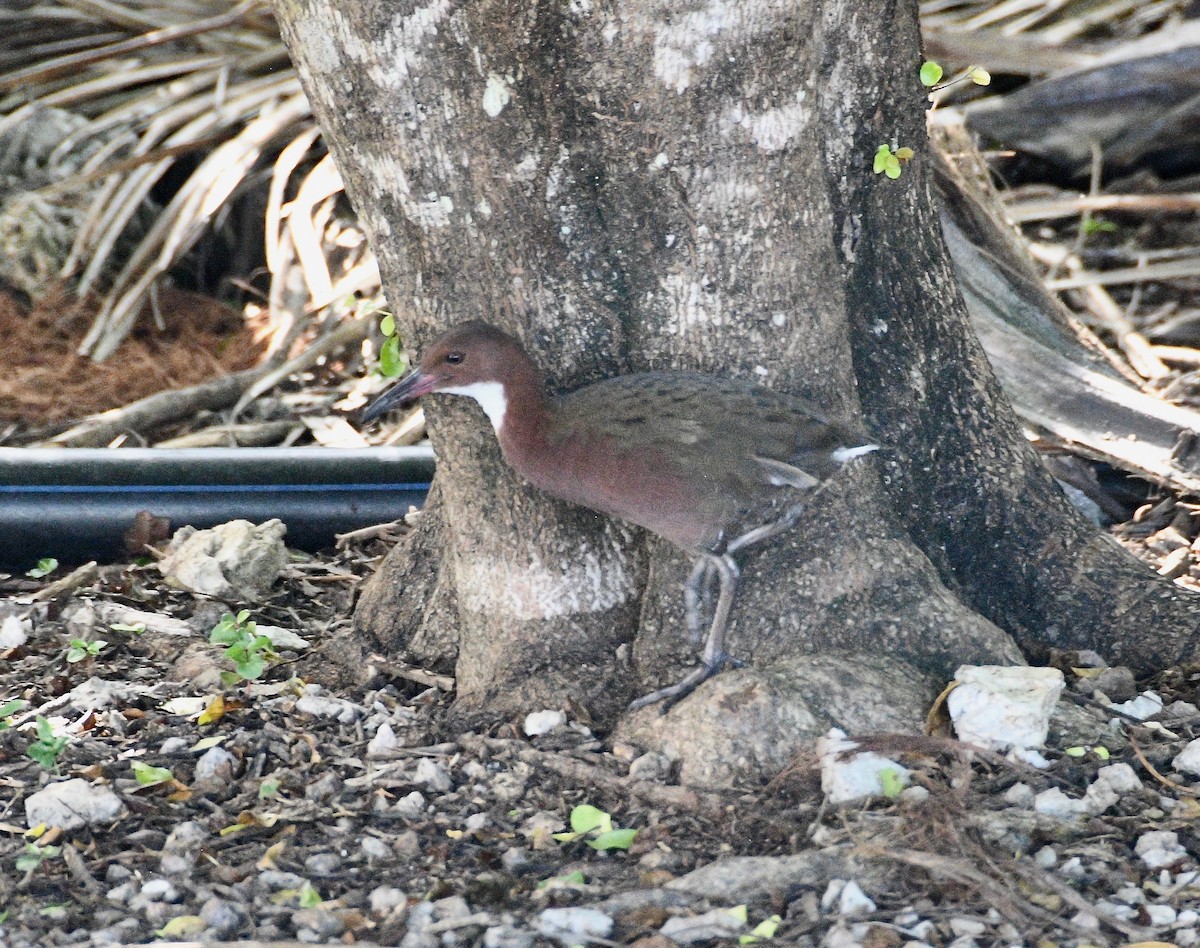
695	595
713	658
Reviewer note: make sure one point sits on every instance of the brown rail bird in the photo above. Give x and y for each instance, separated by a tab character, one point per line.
693	458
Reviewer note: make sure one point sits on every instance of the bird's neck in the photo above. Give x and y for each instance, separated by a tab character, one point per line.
519	411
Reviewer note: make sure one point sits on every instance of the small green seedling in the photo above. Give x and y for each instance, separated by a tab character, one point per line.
136	628
45	566
81	649
1099	751
149	776
268	788
931	74
308	896
34	855
588	820
249	651
1097	225
7	710
890	162
47	747
391	356
762	931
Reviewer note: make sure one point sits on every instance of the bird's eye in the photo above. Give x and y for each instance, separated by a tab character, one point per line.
454	358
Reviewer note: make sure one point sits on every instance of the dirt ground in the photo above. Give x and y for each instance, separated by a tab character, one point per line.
352	815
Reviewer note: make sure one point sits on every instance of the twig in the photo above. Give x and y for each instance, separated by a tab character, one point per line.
390	666
77	578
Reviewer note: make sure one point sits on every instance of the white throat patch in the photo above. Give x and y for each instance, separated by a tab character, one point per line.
490	396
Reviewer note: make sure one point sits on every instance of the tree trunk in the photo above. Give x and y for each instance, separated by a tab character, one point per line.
636	185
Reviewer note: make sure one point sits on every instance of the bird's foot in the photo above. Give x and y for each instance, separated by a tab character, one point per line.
673	694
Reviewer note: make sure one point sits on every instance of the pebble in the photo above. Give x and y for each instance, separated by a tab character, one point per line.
70	804
507	936
433	774
412	805
1046	857
1187	938
967	927
222	917
853	901
687	930
1187	761
1054	802
215	768
316	925
375	848
1159	848
572	925
322	864
386	899
538	723
1019	794
160	890
384	743
1161	914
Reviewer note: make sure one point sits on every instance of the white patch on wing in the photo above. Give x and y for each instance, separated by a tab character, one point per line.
842	455
490	396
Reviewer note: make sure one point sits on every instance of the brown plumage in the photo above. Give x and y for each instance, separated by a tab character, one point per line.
689	457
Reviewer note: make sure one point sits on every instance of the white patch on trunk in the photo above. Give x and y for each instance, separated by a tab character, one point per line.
842	455
490	396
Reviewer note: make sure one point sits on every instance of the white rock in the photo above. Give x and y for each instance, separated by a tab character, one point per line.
1159	848
1188	760
341	710
1161	914
1005	708
571	926
847	776
719	923
1054	802
215	766
411	805
832	891
1019	794
433	774
538	723
1143	706
71	804
14	631
967	927
1187	938
1120	777
1100	796
1188	917
384	743
852	900
234	560
1046	857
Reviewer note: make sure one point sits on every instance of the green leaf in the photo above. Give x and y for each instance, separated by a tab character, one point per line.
391	357
762	931
931	73
1101	752
45	566
980	76
149	776
268	788
614	839
585	818
136	628
308	897
570	878
387	325
182	926
890	782
243	616
1075	751
891	167
44	729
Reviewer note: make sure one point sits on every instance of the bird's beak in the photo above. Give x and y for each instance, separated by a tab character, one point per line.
408	389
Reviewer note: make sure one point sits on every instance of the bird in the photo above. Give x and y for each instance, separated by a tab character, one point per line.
691	457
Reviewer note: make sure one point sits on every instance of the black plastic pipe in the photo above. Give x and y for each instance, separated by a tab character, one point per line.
76	503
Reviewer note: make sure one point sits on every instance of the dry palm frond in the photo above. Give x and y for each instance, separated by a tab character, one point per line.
109	108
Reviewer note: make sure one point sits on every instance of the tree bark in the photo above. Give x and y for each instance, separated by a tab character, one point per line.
643	185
